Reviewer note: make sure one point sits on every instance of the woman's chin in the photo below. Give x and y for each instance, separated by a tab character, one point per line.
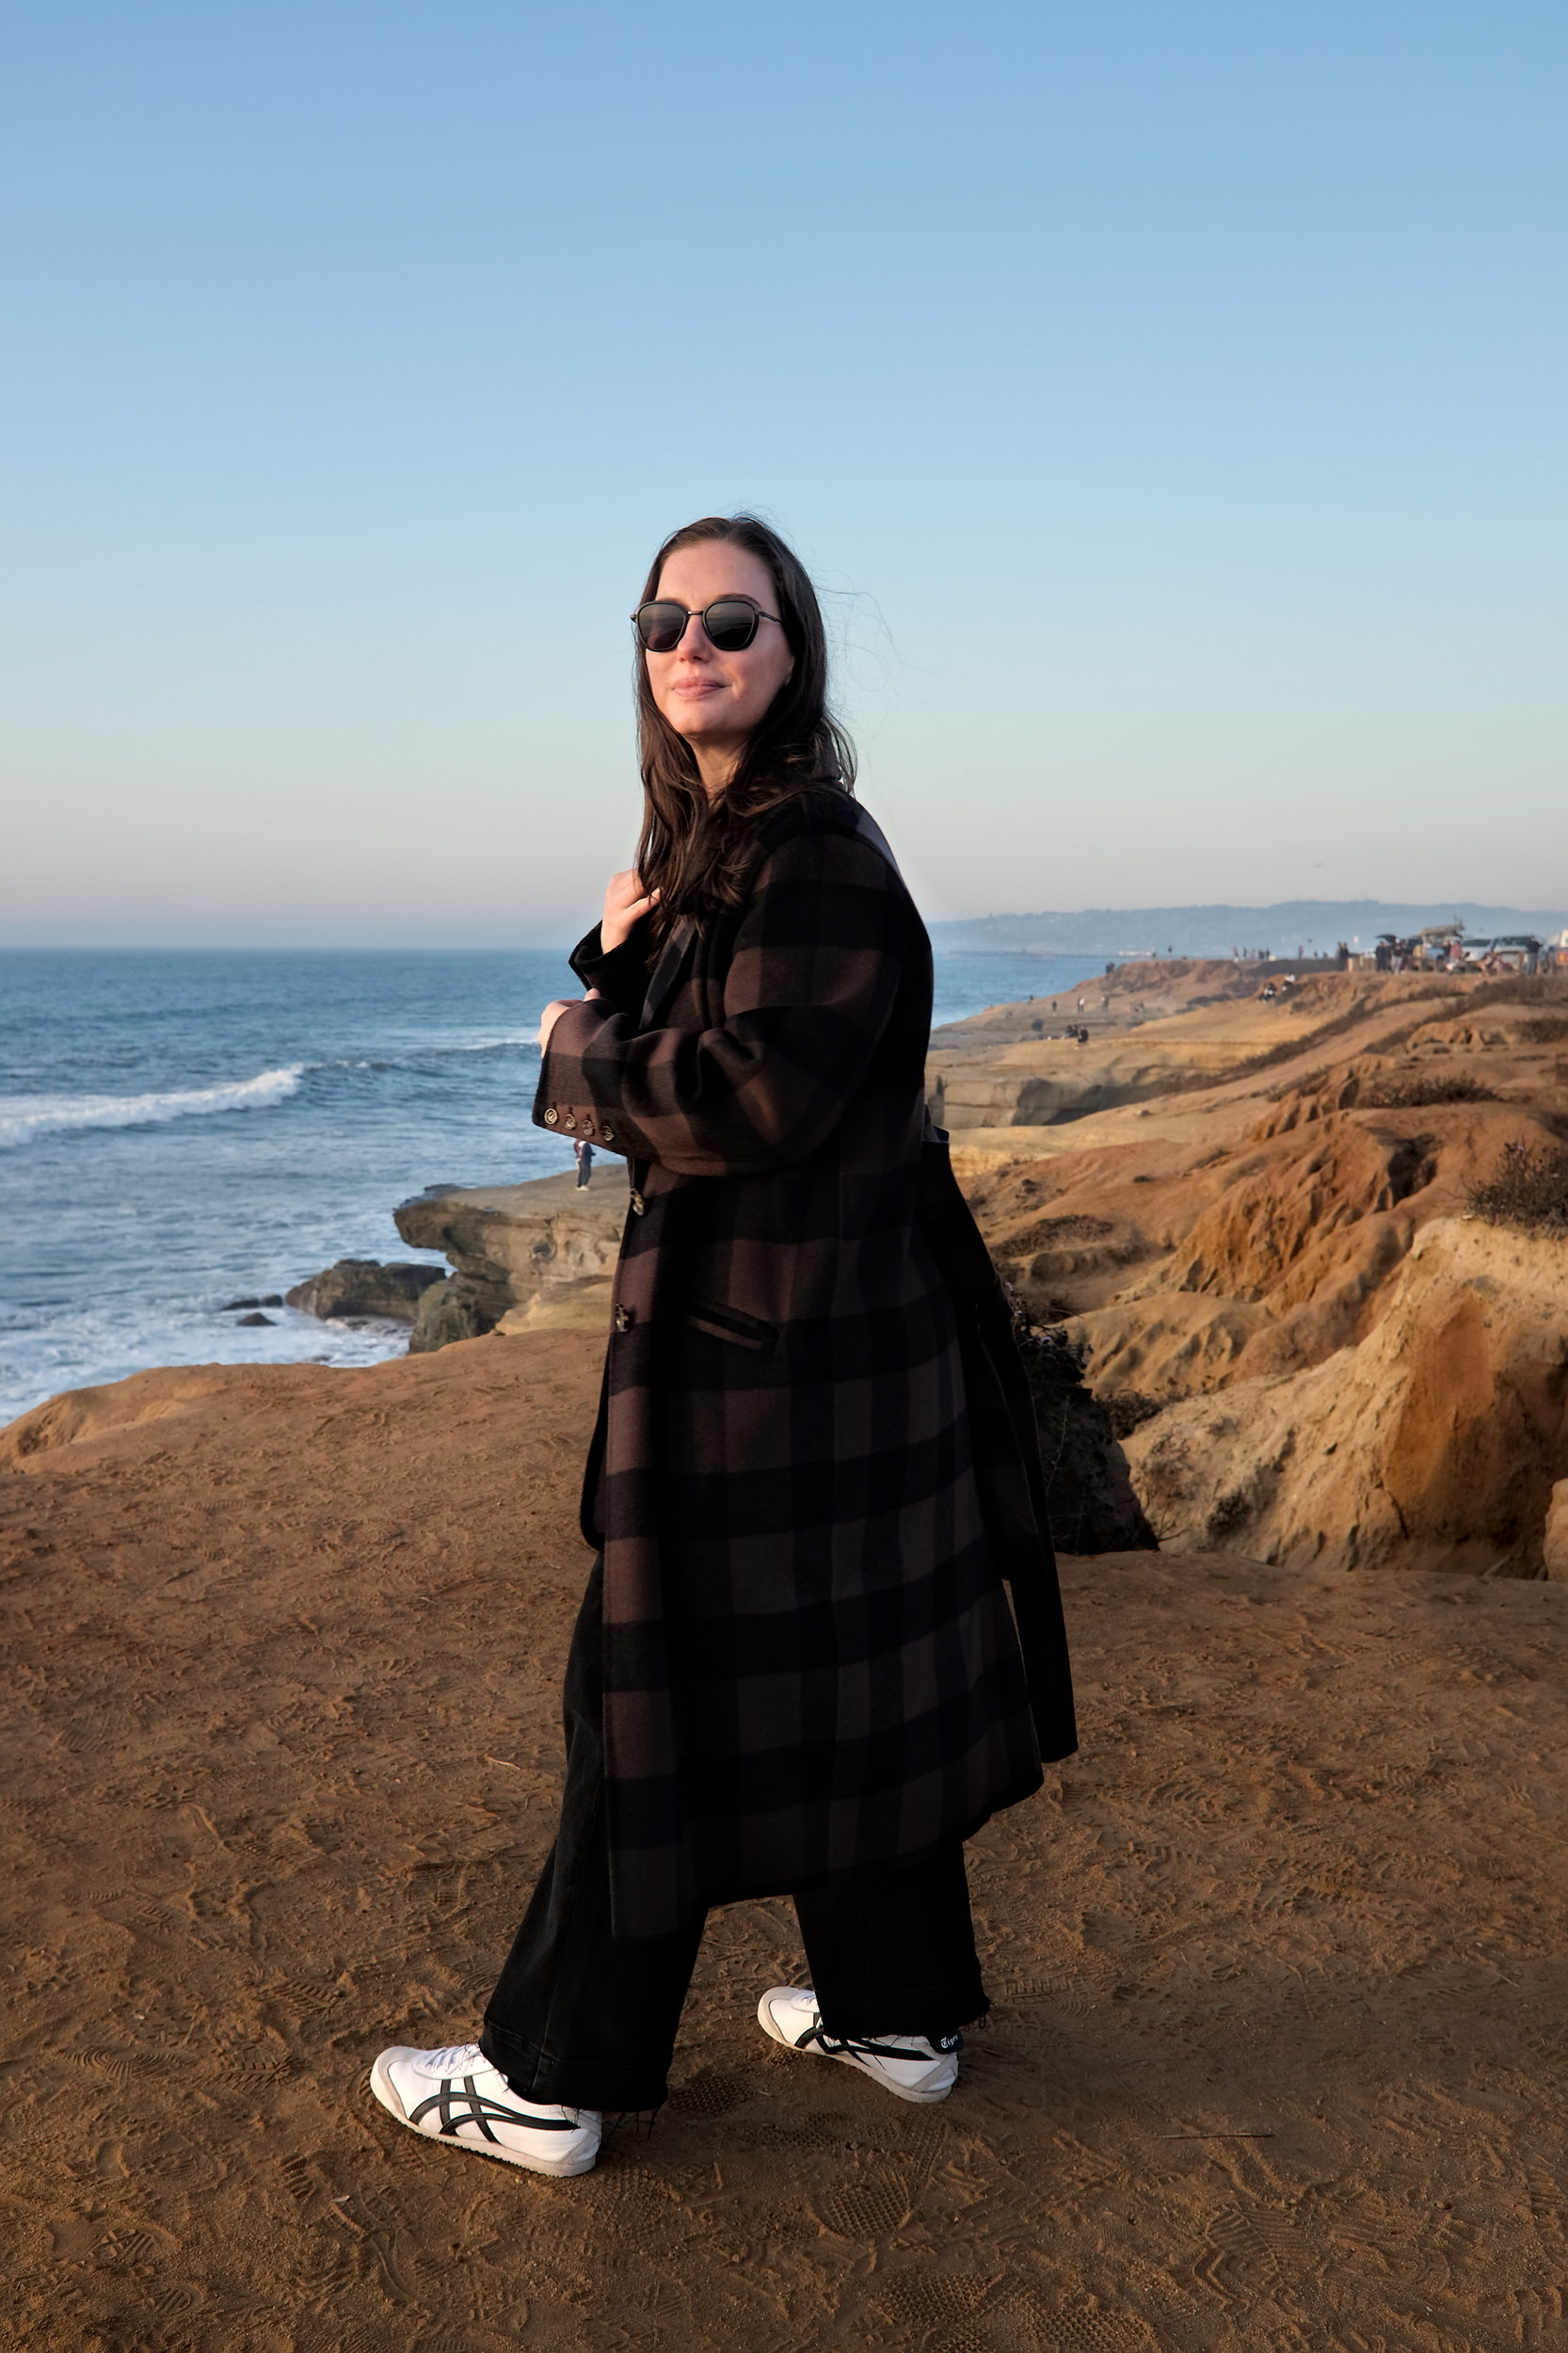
703	726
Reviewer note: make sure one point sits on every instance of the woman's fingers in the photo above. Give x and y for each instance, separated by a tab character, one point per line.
551	1015
625	904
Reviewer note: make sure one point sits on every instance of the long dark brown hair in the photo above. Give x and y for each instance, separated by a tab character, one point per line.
693	851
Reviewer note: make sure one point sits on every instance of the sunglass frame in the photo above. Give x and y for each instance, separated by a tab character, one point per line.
672	604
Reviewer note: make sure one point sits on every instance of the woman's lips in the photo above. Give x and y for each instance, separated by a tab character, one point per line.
696	686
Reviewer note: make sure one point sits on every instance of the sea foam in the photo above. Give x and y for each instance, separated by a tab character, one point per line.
25	1116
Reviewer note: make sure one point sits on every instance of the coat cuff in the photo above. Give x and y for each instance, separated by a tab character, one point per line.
563	1104
619	975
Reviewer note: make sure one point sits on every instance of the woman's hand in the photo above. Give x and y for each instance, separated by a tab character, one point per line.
549	1016
625	904
557	1006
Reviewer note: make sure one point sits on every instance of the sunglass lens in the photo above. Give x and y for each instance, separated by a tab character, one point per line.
660	626
731	623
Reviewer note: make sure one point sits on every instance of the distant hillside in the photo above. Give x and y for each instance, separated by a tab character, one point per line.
1313	925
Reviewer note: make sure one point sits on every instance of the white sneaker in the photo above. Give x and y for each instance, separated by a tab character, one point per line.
456	2095
906	2064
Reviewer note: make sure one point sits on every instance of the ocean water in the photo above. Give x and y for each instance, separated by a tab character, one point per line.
181	1129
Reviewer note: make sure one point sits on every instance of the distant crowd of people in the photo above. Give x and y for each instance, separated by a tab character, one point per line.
1433	952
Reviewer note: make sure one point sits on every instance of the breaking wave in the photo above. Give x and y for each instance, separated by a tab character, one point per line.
25	1116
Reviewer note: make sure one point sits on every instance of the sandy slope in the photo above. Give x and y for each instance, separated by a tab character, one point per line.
1277	2055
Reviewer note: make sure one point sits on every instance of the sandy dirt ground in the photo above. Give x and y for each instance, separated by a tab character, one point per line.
1278	2054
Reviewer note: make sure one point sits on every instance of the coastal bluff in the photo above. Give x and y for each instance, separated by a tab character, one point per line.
1276	1964
1325	1296
539	1255
1252	1221
528	1257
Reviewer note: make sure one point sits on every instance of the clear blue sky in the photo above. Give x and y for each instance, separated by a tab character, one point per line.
1170	399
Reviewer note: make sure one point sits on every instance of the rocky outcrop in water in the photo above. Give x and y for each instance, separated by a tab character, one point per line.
365	1286
530	1258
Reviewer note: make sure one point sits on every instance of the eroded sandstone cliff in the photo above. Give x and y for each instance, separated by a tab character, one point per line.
530	1258
1321	1353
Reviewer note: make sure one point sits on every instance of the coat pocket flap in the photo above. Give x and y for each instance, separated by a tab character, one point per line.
731	1323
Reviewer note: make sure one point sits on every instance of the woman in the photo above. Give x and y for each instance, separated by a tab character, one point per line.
795	1669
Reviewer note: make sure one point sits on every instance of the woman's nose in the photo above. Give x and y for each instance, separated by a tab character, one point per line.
693	640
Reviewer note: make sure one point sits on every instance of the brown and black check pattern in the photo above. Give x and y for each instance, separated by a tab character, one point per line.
812	1469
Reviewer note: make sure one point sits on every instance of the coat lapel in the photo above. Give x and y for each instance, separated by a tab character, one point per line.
675	959
670	971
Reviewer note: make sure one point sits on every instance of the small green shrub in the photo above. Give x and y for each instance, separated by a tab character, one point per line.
1551	1032
1528	1189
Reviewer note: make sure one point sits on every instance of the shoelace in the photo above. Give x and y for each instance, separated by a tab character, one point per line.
455	2058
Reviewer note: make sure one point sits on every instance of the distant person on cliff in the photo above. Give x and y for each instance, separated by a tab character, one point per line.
795	1669
582	1153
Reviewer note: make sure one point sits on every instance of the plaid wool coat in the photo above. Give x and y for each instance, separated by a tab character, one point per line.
815	1459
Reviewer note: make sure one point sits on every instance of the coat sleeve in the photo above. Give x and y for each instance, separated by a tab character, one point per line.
808	992
619	975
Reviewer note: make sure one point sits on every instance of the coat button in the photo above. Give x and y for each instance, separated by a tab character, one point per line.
551	1115
569	1119
608	1133
587	1127
638	1204
625	1319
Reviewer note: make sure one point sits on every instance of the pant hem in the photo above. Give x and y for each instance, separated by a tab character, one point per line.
876	2017
561	2084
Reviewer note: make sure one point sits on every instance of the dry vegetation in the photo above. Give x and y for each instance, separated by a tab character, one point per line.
1527	1189
1420	1088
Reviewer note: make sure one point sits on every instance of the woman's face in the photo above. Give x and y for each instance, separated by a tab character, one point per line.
716	699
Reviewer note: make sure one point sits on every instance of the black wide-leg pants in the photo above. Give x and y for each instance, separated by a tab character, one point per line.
582	2019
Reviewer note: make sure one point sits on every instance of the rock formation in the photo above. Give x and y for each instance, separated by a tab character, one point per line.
1321	1353
1434	1443
528	1257
363	1287
1148	1037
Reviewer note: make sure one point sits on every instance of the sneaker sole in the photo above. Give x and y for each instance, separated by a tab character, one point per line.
884	2083
561	2170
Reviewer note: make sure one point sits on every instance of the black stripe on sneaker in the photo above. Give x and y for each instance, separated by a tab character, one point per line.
480	2109
852	2046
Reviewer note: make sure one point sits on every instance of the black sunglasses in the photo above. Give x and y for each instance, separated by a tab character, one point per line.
729	621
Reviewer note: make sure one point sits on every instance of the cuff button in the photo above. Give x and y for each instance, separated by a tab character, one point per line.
551	1115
